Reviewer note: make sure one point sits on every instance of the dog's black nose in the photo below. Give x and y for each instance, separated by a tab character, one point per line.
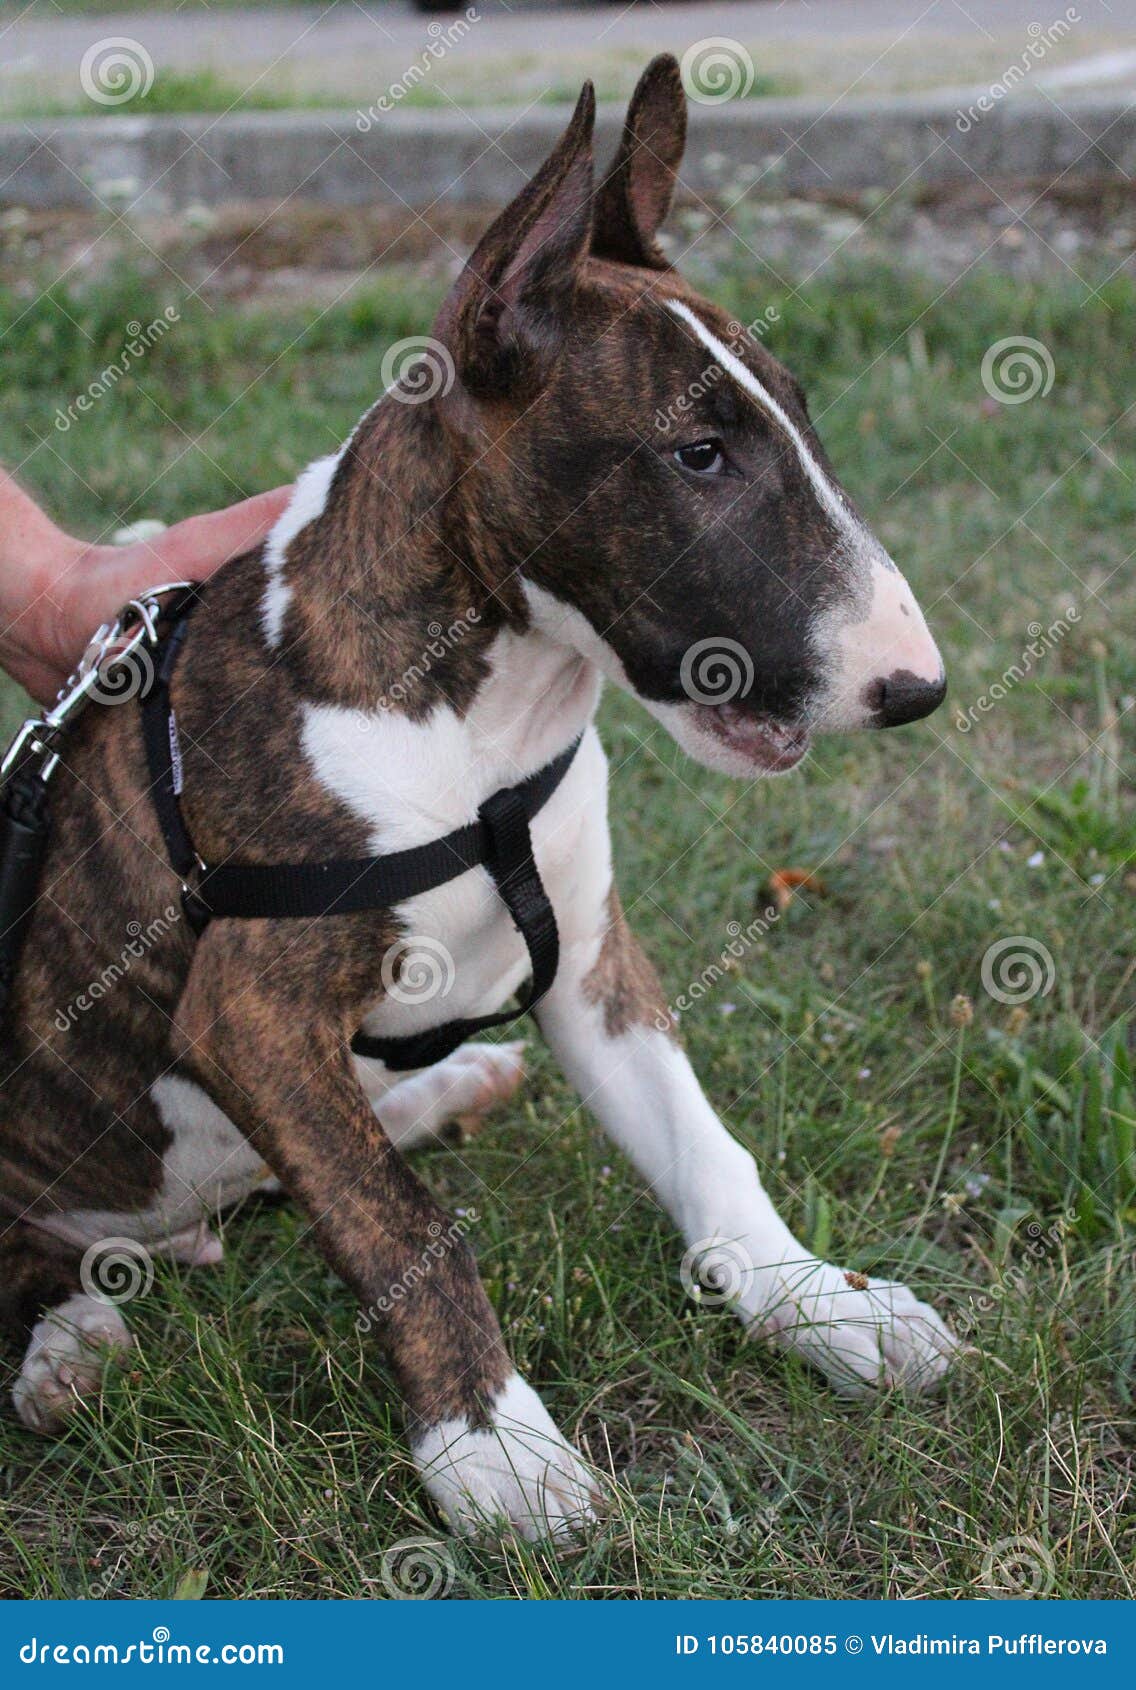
904	697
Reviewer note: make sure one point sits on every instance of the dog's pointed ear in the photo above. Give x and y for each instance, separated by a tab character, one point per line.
634	197
505	317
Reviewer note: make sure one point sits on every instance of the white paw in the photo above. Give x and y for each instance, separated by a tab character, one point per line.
479	1077
863	1334
66	1359
471	1082
522	1472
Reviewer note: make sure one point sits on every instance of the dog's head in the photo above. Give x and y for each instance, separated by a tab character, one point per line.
650	472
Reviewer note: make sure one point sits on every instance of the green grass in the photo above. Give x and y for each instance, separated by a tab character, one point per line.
172	93
207	91
254	1446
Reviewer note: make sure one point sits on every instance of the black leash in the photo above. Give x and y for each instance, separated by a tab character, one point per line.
499	841
25	823
33	757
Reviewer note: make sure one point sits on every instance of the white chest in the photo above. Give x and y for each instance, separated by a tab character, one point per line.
412	782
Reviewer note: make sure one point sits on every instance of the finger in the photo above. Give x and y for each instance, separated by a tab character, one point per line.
196	548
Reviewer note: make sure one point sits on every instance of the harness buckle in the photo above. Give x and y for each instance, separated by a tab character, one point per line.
109	648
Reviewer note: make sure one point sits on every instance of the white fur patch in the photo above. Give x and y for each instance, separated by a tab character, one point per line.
209	1166
522	1472
309	496
641	1086
470	1082
66	1358
412	782
828	495
856	650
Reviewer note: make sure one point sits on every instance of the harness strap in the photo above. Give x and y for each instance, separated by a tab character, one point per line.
509	859
499	840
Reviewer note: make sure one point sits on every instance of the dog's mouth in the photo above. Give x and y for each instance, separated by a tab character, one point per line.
764	741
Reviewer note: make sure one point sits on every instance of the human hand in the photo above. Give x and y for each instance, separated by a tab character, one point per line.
55	590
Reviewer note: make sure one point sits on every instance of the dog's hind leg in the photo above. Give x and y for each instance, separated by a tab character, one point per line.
471	1082
70	1335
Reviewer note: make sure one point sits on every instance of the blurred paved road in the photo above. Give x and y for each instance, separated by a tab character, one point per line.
518	51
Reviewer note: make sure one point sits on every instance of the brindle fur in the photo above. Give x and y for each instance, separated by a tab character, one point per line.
543	457
622	979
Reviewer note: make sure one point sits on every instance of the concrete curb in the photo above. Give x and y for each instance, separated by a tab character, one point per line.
164	164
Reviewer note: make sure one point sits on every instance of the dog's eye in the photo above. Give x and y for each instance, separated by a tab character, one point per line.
705	457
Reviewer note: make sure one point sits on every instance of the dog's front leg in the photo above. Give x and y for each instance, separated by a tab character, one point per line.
607	1020
264	1027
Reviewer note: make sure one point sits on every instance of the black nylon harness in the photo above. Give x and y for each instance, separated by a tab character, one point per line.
499	841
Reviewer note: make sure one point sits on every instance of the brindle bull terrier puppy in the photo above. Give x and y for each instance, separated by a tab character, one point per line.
536	500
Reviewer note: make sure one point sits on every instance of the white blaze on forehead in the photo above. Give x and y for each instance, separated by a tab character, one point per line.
745	378
873	630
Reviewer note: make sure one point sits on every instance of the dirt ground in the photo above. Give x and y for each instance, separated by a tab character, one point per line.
316	252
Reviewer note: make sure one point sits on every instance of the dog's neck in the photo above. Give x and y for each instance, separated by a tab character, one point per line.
401	603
